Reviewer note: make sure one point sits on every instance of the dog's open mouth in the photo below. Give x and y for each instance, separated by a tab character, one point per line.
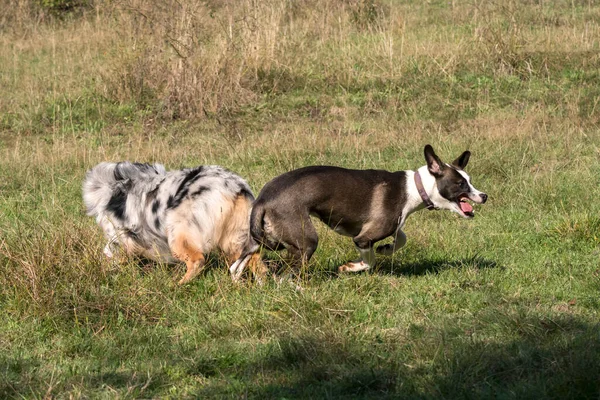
465	206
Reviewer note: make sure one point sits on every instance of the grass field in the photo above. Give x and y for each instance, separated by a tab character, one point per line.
503	306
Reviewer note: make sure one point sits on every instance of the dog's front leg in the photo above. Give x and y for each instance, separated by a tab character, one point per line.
108	251
111	247
391	248
367	261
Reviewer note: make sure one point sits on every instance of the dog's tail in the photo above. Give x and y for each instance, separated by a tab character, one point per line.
107	179
98	187
252	246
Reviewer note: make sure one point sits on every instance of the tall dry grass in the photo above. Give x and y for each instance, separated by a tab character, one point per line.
188	59
203	58
181	59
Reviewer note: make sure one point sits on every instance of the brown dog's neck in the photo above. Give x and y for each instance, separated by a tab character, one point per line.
414	201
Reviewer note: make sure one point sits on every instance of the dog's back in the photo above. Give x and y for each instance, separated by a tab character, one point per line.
341	198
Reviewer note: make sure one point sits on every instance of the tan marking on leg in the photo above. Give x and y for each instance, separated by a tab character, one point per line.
258	268
192	256
234	226
232	257
235	234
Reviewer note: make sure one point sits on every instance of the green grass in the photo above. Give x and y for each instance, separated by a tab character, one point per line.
502	306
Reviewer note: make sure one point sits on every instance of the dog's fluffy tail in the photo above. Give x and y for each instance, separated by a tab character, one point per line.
105	179
252	246
98	187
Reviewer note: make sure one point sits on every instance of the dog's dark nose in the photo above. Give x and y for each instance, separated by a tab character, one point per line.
483	197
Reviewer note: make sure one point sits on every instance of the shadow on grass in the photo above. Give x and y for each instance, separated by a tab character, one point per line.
389	266
545	357
385	266
18	376
313	366
565	363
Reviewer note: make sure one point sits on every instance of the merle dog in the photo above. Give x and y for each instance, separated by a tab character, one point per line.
170	215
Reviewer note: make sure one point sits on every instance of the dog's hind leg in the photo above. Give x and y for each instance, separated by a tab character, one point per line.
111	235
184	250
254	262
300	239
258	268
237	268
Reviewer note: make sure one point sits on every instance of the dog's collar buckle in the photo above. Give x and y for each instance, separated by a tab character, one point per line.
428	203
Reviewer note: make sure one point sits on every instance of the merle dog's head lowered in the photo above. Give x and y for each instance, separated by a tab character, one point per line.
453	184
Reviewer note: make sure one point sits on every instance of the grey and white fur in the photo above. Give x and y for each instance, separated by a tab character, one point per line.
169	216
367	205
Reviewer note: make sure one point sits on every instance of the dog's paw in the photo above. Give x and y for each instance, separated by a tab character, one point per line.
354	267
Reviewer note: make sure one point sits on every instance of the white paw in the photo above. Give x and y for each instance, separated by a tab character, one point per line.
354	267
107	252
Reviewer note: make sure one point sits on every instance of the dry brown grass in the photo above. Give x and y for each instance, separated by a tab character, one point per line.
184	59
206	58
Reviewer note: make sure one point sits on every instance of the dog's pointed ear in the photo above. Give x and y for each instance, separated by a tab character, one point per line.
434	164
462	161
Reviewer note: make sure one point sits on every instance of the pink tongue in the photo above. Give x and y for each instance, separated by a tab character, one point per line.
465	207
